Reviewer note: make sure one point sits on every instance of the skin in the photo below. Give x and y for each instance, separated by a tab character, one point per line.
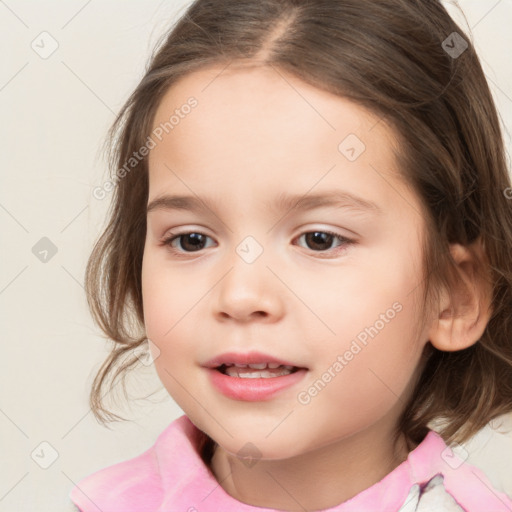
257	133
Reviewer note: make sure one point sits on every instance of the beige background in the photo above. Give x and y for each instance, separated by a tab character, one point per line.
54	114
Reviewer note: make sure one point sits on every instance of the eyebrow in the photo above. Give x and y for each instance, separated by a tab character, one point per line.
284	202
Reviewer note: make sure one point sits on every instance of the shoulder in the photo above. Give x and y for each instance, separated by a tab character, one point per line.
138	483
451	476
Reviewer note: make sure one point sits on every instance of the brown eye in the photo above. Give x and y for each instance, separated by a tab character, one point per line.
187	242
193	242
321	241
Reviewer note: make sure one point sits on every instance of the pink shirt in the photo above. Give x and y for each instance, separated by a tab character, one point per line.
171	477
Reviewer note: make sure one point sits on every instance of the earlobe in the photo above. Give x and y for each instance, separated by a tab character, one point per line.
464	310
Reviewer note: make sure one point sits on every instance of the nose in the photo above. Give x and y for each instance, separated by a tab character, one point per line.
249	292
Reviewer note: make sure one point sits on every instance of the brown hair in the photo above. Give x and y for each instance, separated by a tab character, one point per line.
389	57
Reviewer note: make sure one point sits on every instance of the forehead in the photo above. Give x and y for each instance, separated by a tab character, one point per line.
261	129
258	99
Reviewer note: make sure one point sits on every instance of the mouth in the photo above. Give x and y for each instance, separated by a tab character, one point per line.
256	370
253	376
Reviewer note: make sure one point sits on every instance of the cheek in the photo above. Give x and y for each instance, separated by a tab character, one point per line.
352	299
163	309
171	305
374	314
377	367
163	306
371	382
166	296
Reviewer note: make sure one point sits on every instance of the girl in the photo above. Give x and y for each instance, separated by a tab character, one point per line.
311	233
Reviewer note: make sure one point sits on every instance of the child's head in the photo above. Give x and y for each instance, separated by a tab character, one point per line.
397	301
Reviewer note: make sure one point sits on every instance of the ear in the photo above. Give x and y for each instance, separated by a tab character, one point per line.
463	314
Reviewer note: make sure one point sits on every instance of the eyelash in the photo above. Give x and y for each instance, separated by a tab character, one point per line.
169	239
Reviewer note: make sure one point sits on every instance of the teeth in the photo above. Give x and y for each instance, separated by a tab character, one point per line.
245	373
258	366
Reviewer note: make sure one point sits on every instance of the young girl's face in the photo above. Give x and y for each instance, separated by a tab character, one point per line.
259	275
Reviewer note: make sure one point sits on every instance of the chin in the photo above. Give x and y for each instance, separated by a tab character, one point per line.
258	447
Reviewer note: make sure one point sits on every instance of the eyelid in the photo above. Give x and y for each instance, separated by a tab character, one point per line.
175	232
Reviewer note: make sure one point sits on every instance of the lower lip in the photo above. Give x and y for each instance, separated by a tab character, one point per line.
253	390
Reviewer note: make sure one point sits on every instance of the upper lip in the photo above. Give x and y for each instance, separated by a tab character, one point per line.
252	357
